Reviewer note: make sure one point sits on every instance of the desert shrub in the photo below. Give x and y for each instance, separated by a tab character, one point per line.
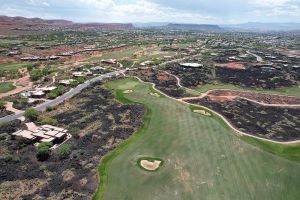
73	84
156	61
57	92
36	74
31	114
8	158
43	150
64	151
80	80
49	121
49	109
2	104
11	158
75	132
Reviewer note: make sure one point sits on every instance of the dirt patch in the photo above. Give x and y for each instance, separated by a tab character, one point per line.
232	65
16	189
221	98
68	175
164	76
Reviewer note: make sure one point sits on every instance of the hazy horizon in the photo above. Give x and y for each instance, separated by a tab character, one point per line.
154	11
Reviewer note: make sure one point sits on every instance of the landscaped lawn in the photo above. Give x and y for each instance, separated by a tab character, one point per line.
5	87
203	159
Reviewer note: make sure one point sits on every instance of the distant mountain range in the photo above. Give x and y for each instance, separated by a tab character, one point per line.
250	26
23	21
257	26
27	23
193	27
13	23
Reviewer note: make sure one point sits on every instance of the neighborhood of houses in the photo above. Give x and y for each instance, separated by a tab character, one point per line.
41	92
62	54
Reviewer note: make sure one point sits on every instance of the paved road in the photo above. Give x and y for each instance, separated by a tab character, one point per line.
64	97
258	58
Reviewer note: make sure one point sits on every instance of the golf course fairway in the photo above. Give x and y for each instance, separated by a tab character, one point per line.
203	159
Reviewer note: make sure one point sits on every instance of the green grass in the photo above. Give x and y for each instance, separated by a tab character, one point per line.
291	152
203	158
6	86
290	91
106	161
11	69
12	66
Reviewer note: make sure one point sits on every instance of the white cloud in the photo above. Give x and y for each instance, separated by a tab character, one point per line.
10	11
271	3
270	8
99	4
182	11
46	4
144	10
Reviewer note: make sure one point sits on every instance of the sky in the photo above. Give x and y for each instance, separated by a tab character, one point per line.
179	11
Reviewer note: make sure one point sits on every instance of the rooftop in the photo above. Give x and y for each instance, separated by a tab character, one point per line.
194	65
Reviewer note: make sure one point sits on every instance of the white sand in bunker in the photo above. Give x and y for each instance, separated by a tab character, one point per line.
154	94
150	165
202	112
128	91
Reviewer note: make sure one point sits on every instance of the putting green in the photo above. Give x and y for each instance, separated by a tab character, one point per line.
203	159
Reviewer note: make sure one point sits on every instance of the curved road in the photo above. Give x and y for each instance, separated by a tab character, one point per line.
63	97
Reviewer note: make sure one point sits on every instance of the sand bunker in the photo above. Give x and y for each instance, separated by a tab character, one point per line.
128	91
154	94
150	165
202	112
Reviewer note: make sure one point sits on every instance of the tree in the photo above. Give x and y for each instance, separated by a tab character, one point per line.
36	75
64	151
74	84
80	80
43	150
2	104
31	114
156	61
57	92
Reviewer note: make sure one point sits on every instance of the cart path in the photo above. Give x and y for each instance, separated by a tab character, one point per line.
205	94
238	132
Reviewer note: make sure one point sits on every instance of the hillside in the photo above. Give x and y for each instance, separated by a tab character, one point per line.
22	25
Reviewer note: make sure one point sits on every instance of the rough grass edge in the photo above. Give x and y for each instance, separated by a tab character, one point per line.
105	162
286	151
